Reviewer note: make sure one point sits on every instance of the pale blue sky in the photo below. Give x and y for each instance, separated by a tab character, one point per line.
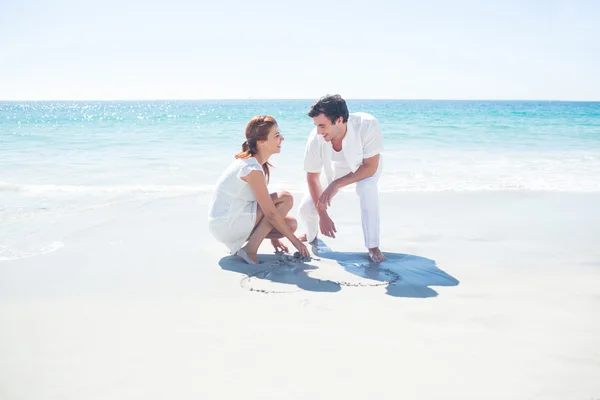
185	49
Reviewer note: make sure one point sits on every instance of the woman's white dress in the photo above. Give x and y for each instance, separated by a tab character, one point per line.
232	212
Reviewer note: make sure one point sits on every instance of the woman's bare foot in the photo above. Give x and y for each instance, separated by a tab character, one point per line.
249	257
376	255
278	244
303	238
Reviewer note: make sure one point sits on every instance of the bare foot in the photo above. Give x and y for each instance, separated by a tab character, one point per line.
304	238
250	258
376	255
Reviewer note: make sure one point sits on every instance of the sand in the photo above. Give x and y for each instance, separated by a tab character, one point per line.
487	295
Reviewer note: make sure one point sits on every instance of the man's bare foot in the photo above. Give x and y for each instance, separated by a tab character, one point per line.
376	255
250	258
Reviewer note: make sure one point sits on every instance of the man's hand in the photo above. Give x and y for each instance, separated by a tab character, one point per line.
327	196
326	224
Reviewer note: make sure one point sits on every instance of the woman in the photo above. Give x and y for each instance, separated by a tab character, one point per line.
242	210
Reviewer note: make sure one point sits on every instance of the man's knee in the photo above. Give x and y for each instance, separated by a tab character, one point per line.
367	186
307	208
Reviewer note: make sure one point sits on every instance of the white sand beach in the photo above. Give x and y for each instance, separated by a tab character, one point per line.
493	295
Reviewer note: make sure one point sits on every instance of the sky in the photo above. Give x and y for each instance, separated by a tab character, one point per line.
239	49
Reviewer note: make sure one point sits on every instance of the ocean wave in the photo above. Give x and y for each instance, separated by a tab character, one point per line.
10	187
404	182
92	189
389	182
8	253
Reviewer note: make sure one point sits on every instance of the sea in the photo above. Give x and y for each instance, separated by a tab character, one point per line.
61	158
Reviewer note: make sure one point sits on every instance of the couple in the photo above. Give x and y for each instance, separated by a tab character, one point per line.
346	147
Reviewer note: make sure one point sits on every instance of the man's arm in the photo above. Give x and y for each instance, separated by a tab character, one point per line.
326	225
366	170
314	186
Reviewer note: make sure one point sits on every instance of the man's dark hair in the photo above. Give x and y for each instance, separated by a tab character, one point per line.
333	106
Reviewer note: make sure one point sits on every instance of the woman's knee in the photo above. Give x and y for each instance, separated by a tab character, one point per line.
285	197
291	223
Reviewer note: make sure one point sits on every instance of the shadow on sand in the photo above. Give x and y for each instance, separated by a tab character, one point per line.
406	275
403	275
291	275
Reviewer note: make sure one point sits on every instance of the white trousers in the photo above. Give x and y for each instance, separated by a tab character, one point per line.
368	194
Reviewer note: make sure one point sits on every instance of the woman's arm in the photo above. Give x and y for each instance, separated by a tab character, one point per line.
257	183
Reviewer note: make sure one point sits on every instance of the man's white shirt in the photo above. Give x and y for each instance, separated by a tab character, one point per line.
363	140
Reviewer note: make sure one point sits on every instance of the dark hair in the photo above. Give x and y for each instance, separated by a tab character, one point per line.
333	106
257	129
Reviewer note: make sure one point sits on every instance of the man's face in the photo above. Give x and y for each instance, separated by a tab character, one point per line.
325	128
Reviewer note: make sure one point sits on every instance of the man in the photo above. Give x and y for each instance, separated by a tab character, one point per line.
346	147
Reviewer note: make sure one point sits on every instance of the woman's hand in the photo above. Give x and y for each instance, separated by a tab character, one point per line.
279	246
302	249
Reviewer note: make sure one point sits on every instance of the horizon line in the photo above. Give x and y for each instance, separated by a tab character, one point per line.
298	99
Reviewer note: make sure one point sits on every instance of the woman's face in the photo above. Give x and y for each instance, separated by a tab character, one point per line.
273	142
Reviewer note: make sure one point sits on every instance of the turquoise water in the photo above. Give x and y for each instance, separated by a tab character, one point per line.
58	158
187	142
566	125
